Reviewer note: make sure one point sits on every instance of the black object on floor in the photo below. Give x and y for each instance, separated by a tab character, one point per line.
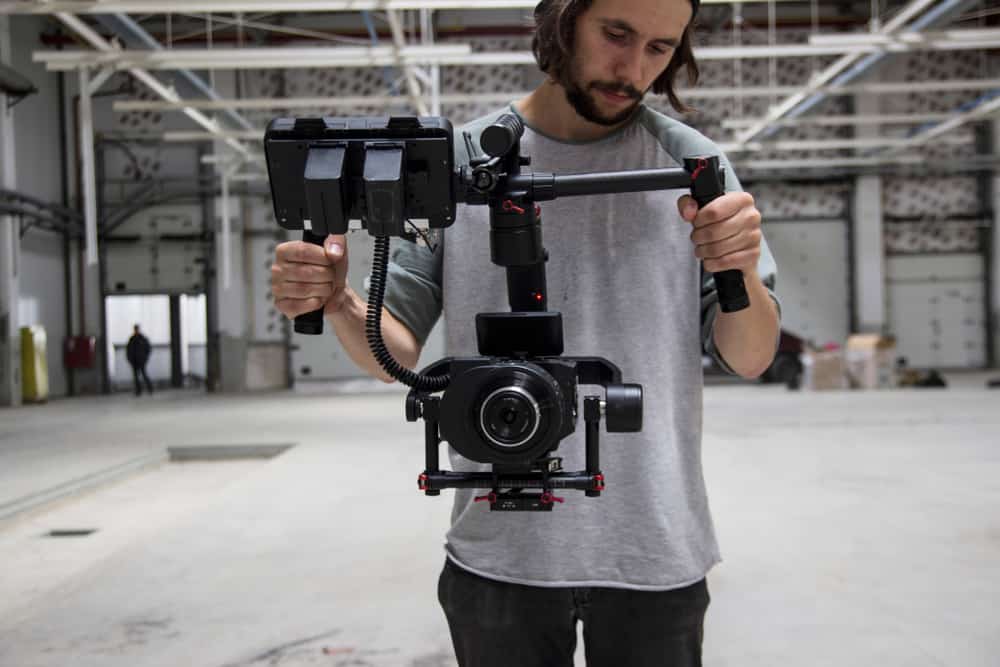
932	379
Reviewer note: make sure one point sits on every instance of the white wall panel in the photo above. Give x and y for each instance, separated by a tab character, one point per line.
813	283
936	310
153	263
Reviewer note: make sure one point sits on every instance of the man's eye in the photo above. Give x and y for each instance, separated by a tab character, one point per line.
658	50
615	36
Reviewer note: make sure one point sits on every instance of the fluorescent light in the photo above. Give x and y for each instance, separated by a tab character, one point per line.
255	58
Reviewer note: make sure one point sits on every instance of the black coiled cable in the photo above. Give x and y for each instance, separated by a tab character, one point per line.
373	327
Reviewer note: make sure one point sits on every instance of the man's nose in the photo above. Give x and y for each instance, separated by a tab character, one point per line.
628	69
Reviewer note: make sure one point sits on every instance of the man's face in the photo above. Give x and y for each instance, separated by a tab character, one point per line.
620	48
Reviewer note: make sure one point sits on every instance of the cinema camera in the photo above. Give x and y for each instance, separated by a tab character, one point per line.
511	406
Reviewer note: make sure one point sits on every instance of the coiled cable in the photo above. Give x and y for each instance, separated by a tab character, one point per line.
373	327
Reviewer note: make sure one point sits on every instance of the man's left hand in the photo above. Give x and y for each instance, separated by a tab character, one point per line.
726	231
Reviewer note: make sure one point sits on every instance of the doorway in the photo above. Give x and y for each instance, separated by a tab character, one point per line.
176	326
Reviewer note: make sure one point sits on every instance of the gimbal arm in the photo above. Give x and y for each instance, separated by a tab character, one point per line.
702	175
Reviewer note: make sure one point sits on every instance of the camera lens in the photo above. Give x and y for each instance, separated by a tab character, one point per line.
509	417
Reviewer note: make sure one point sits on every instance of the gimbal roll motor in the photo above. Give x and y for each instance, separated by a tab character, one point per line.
511	406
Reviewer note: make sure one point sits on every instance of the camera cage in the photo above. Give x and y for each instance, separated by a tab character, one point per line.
387	172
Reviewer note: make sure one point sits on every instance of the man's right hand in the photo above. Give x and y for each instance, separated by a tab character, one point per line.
306	277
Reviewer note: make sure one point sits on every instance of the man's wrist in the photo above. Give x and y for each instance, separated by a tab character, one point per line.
352	307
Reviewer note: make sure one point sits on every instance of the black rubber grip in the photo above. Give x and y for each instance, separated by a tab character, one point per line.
708	182
311	323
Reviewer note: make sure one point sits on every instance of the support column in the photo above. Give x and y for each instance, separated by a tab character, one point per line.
176	352
869	255
230	284
231	289
869	247
210	280
231	293
994	254
87	163
10	251
90	269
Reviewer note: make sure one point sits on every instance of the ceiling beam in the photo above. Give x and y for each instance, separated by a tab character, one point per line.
255	57
348	102
755	147
230	6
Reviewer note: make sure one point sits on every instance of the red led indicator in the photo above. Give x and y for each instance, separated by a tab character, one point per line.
538	296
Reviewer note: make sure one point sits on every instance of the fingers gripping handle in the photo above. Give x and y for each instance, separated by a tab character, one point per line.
708	183
311	323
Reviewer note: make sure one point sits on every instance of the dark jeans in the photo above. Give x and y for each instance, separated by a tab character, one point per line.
136	371
495	623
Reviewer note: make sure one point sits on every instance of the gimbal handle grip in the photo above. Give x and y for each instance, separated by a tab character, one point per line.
311	323
707	184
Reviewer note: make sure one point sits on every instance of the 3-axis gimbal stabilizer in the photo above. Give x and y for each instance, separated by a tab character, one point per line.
511	406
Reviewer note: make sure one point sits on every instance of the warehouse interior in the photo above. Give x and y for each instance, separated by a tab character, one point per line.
258	506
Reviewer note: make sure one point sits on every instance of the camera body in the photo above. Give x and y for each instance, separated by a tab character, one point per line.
509	412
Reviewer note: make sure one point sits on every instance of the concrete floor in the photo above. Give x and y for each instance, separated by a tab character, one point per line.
857	529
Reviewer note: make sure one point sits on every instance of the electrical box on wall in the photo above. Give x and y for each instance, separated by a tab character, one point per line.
80	352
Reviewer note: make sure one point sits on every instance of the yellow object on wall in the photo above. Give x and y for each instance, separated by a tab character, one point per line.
34	367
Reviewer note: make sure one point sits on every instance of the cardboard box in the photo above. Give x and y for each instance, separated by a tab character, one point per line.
823	369
871	361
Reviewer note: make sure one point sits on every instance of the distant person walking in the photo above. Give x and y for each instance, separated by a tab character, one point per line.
137	352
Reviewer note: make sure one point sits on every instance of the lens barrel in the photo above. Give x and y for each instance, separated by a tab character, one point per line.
509	417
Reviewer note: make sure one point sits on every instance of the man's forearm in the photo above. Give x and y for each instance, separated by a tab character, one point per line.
349	325
747	338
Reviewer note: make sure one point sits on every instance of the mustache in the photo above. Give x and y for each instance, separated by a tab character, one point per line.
617	89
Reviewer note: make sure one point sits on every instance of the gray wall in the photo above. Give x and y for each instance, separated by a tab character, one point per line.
37	117
36	128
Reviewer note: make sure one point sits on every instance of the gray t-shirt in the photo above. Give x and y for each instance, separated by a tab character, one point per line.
622	272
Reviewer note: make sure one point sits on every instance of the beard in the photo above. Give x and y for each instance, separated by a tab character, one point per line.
581	98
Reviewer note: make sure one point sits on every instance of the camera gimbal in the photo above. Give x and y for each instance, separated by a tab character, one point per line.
511	406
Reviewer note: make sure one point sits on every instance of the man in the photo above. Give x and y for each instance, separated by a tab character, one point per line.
137	352
624	271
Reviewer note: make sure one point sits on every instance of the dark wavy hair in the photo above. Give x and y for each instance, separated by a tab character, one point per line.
552	44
